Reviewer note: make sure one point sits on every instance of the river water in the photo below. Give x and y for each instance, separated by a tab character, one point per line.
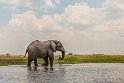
66	73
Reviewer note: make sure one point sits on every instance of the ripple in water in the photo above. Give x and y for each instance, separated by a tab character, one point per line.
76	73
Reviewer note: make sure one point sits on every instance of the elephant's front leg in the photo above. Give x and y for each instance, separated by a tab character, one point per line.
51	58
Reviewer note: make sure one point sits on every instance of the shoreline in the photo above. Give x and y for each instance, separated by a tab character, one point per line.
69	59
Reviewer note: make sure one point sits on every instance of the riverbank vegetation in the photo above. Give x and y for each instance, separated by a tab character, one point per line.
69	59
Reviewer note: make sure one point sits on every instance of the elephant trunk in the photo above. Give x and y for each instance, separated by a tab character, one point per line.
63	55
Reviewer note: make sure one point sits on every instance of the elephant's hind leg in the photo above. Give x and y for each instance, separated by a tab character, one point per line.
35	62
29	61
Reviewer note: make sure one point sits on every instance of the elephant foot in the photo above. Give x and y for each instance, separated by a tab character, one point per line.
36	65
28	65
51	68
35	68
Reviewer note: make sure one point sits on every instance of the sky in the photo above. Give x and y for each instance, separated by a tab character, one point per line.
83	26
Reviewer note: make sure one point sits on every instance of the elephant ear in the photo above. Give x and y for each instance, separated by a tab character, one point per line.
53	46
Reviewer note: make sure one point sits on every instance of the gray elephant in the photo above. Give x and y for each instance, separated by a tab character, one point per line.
44	49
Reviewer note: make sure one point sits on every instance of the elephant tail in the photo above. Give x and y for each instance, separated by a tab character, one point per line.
26	52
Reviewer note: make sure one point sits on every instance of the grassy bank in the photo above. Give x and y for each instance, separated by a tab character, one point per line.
93	59
69	59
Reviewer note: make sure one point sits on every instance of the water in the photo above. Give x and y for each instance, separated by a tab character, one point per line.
76	73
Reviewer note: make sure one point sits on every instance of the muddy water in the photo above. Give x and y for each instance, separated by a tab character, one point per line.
76	73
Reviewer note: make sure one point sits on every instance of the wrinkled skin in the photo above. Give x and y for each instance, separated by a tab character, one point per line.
45	50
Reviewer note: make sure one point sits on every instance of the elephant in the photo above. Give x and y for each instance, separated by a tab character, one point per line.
44	49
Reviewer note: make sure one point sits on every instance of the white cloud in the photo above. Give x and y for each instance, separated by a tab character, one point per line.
12	2
81	28
114	9
81	14
39	4
58	1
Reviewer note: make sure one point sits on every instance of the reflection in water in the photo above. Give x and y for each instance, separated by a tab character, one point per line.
78	73
30	68
45	75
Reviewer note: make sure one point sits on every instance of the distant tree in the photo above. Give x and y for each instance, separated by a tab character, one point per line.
8	54
69	53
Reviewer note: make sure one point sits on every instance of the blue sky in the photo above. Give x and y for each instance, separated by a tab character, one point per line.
92	26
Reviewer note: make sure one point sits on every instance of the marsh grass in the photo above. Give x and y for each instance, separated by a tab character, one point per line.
12	60
93	59
69	59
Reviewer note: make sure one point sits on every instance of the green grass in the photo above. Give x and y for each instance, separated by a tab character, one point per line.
12	60
93	59
69	59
